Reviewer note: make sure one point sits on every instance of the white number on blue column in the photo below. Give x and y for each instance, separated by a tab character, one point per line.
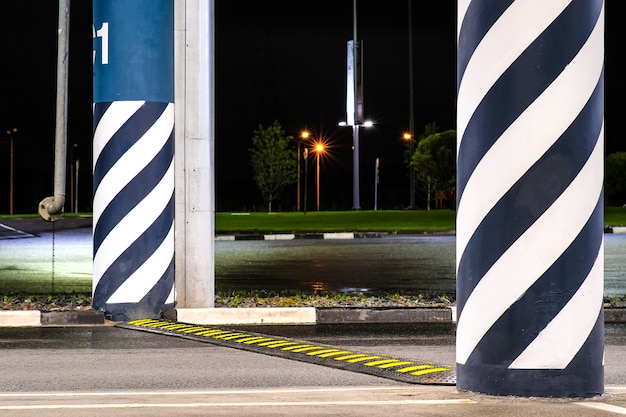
102	33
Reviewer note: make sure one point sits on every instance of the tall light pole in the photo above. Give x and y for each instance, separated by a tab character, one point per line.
409	138
74	178
11	134
305	155
319	148
411	132
354	106
304	136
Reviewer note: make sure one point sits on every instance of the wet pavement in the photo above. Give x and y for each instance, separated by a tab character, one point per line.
412	265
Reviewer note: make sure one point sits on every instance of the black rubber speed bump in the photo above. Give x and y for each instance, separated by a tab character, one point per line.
386	366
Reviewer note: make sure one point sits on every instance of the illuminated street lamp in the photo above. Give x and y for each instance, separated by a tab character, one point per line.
306	176
11	134
319	149
409	138
304	136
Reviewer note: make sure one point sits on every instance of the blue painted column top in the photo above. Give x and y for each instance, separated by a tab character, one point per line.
131	60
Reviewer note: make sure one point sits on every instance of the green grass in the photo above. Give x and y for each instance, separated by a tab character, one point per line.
615	216
393	221
400	221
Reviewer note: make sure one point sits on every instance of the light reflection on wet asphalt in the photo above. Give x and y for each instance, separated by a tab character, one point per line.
406	264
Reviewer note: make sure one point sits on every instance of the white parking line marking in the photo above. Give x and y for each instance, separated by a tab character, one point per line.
605	407
239	404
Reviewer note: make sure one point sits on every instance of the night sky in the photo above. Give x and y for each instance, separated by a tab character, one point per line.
275	60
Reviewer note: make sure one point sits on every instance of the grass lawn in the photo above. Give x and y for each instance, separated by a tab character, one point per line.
615	216
393	221
336	221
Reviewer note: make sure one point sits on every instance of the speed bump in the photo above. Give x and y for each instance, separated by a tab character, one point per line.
385	366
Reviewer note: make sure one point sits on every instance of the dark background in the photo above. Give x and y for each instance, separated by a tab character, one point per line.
275	60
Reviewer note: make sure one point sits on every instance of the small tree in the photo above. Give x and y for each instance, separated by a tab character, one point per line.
273	163
434	162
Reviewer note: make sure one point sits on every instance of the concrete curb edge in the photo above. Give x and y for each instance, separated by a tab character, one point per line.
311	235
263	316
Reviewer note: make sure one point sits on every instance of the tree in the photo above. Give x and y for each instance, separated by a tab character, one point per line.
434	162
429	129
273	163
615	178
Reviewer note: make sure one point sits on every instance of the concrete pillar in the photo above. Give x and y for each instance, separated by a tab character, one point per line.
530	129
195	176
133	157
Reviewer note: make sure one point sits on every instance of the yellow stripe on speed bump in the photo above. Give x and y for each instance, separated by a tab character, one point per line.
386	366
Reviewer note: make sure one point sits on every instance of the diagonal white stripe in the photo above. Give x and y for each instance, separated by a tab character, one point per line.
147	275
516	29
133	161
133	225
558	343
112	120
530	136
531	255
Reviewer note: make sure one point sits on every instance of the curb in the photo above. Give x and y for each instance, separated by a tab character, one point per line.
311	315
291	236
36	318
264	316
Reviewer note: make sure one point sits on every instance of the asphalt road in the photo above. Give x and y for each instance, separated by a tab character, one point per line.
79	371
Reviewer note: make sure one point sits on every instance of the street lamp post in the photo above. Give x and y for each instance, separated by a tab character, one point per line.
298	187
304	136
11	134
409	135
74	178
409	138
306	176
319	148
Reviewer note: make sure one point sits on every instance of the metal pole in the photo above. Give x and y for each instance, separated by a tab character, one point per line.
411	112
356	198
11	134
298	196
318	179
76	170
354	19
306	176
51	208
376	168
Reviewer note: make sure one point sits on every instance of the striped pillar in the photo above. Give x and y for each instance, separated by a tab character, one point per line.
133	151
530	129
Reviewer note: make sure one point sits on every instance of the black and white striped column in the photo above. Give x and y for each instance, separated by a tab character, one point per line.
530	128
133	157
